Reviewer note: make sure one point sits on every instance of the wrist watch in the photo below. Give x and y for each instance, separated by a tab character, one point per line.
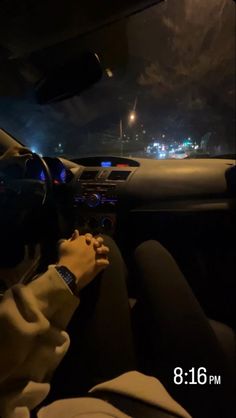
69	278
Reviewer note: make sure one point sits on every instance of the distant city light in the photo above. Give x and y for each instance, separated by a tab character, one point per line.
59	145
132	116
42	176
186	143
163	136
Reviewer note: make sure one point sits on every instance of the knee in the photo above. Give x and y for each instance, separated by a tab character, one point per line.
149	247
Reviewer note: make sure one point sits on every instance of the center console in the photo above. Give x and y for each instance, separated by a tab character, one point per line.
97	197
96	204
99	185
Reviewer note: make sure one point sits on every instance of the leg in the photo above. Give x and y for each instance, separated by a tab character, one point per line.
179	333
100	331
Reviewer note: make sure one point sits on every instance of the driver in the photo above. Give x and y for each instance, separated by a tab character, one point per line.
33	340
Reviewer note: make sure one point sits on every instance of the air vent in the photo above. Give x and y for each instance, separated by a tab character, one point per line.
88	175
119	175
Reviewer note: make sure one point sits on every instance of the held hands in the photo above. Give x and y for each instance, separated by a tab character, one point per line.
84	255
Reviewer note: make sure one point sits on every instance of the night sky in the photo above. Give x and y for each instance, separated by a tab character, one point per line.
176	60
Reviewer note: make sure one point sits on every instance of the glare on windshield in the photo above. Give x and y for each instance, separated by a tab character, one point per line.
168	90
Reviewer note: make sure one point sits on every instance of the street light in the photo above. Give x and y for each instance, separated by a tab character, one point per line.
132	116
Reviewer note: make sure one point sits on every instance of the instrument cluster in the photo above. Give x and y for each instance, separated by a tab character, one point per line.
60	174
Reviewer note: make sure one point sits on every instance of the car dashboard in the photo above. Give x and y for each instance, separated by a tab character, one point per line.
100	191
107	188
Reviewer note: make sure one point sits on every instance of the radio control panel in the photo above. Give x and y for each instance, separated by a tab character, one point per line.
96	205
96	195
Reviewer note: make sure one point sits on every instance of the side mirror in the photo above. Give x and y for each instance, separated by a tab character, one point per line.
69	79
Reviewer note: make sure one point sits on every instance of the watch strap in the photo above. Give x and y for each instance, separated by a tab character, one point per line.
69	278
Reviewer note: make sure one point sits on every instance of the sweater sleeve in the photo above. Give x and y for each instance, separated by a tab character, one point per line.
32	337
148	389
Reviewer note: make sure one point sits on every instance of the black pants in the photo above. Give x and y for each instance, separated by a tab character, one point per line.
176	333
172	332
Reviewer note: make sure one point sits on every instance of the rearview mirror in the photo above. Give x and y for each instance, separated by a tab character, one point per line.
69	79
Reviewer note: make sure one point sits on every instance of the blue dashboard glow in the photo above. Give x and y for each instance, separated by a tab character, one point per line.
42	176
106	164
63	175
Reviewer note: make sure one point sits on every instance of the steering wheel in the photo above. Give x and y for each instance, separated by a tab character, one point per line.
44	185
22	189
22	200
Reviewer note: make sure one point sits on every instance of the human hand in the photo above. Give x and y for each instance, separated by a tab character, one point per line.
84	255
16	151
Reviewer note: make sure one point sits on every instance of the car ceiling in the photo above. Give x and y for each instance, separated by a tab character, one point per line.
27	27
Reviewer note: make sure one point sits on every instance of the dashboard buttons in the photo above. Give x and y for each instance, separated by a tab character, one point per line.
107	223
93	195
93	200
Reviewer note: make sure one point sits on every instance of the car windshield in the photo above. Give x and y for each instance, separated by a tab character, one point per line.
168	89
